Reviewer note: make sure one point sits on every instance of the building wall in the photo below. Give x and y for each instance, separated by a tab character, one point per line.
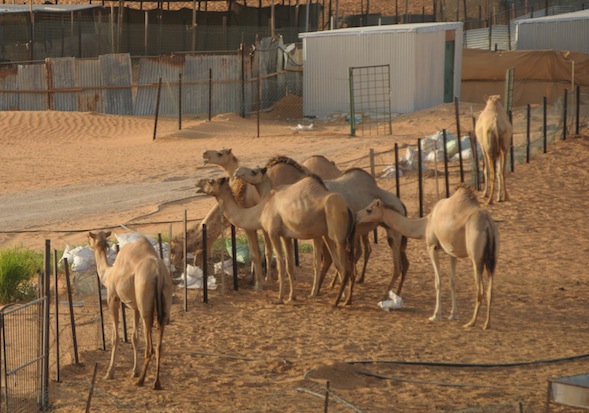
562	32
416	59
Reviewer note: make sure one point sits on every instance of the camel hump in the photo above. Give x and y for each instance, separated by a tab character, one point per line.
281	159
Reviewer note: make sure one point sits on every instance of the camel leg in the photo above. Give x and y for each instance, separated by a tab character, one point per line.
487	162
501	190
367	248
491	173
344	266
113	305
321	264
394	239
454	311
254	245
478	279
289	253
268	254
158	352
433	254
276	245
147	326
489	296
134	339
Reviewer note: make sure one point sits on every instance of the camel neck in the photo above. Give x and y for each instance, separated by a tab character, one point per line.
409	227
101	265
246	218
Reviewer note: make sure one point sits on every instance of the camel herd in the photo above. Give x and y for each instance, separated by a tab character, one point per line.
335	209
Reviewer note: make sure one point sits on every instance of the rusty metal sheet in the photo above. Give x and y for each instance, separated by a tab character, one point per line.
61	74
88	79
115	71
8	100
32	85
168	68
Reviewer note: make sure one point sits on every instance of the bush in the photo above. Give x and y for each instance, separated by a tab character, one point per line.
18	267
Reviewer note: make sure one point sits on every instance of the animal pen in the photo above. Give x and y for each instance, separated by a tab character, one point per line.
65	324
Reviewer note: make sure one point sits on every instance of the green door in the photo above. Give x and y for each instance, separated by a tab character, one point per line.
449	72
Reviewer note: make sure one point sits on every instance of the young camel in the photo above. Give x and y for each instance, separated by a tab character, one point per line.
359	189
140	279
303	210
246	196
494	132
458	226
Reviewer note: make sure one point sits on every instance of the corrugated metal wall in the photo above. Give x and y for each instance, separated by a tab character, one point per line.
555	33
113	84
416	59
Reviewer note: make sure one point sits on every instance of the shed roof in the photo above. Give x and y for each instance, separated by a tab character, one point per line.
576	15
44	8
389	28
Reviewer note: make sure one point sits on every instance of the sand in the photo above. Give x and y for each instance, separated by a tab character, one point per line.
64	173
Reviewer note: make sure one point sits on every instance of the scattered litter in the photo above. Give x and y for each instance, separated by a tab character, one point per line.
194	279
226	267
302	127
395	302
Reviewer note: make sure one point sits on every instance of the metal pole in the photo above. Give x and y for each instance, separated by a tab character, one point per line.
157	107
234	254
205	274
55	271
544	125
210	94
564	122
528	135
123	312
185	269
398	186
71	306
511	148
456	106
446	164
180	101
578	102
46	316
420	175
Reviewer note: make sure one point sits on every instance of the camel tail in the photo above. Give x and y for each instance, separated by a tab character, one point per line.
490	257
159	298
351	233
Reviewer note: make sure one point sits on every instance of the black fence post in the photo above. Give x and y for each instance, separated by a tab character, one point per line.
544	126
577	109
456	106
420	176
184	261
564	115
234	253
55	270
180	101
210	94
71	308
511	147
528	120
398	186
447	178
157	107
205	272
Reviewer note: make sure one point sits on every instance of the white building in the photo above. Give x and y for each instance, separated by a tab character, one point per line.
425	65
568	31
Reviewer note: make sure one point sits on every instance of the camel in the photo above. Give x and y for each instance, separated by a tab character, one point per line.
303	210
322	167
246	196
215	227
494	132
458	226
139	278
358	188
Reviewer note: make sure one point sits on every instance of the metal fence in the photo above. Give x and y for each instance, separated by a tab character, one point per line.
24	376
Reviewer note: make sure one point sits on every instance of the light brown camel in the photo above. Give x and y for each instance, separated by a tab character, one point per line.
359	189
215	227
139	278
494	132
458	226
322	167
246	196
303	210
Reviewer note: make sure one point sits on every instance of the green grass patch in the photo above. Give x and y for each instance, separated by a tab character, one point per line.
18	267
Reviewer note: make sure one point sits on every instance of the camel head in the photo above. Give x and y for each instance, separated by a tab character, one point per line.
222	157
211	186
98	240
372	213
251	176
493	99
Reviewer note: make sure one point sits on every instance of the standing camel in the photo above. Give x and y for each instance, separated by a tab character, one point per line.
494	132
322	167
138	278
303	210
358	188
458	226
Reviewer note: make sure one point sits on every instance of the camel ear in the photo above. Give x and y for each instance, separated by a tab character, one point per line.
264	170
91	235
228	151
107	234
378	203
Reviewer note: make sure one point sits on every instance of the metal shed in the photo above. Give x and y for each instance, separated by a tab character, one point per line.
568	31
425	64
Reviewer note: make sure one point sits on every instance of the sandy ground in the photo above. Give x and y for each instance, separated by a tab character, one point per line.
64	173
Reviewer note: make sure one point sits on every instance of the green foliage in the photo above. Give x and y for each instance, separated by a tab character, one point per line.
18	267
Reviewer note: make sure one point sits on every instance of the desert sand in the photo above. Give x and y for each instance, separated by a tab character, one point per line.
62	174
